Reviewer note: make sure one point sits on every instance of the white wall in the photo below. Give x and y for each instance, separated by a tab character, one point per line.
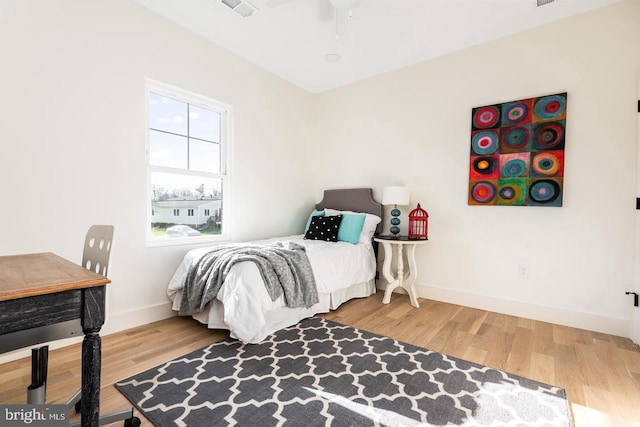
412	127
72	133
72	129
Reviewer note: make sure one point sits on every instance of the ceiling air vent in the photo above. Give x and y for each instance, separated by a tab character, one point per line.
241	7
543	2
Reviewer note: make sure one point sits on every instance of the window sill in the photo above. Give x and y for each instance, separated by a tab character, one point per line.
185	241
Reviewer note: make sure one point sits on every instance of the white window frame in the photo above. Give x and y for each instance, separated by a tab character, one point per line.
226	139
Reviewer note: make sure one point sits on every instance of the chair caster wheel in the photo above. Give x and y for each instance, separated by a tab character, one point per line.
78	407
132	422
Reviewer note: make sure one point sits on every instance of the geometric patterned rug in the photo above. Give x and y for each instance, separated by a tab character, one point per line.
320	373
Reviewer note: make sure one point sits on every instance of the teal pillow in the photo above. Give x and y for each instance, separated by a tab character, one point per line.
314	213
351	227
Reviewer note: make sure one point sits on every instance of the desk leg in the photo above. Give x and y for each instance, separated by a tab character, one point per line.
92	320
91	361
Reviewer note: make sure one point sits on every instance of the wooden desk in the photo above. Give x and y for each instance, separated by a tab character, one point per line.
39	293
401	280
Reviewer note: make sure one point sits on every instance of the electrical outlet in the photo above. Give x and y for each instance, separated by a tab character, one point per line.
523	271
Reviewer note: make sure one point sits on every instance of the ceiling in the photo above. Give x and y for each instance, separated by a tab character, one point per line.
291	38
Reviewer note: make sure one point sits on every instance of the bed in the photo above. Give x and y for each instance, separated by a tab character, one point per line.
342	270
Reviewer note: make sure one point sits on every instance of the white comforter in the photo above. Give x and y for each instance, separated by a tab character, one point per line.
342	271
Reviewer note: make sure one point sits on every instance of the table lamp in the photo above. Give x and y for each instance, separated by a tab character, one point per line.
395	195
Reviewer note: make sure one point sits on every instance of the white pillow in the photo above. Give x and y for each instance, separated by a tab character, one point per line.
368	229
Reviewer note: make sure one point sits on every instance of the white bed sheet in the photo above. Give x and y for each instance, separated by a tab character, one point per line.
342	271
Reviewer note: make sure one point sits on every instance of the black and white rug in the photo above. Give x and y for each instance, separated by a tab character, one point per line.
320	373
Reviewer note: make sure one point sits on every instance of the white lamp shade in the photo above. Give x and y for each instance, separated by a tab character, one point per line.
395	195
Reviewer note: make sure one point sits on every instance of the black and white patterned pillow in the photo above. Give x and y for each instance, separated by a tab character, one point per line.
324	228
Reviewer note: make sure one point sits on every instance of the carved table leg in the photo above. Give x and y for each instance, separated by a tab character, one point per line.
413	274
386	269
392	282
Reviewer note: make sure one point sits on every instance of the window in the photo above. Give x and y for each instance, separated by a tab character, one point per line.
188	138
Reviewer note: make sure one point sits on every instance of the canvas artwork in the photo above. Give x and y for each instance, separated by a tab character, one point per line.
517	152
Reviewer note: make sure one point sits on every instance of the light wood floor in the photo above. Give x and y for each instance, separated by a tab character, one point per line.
601	373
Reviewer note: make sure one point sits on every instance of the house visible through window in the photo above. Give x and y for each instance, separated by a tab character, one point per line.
187	144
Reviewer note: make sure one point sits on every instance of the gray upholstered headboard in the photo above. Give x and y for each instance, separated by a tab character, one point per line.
352	199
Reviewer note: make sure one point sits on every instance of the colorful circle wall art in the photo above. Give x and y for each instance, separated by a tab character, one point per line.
515	139
512	191
548	136
552	107
484	167
484	142
517	152
483	192
547	163
545	192
514	165
514	113
486	117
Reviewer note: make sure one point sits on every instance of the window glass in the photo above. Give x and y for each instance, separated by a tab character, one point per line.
167	114
204	156
166	149
172	192
204	124
187	170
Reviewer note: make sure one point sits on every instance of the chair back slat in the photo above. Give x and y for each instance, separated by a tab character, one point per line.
97	248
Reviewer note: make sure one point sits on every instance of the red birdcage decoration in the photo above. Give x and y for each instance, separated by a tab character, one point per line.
418	223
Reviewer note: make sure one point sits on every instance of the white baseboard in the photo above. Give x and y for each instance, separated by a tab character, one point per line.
114	323
140	316
561	316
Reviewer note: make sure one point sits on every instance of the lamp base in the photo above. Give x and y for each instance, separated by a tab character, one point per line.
395	222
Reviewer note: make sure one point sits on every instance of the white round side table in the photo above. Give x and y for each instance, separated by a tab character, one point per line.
402	280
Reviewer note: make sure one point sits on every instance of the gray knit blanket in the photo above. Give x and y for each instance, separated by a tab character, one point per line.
284	267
